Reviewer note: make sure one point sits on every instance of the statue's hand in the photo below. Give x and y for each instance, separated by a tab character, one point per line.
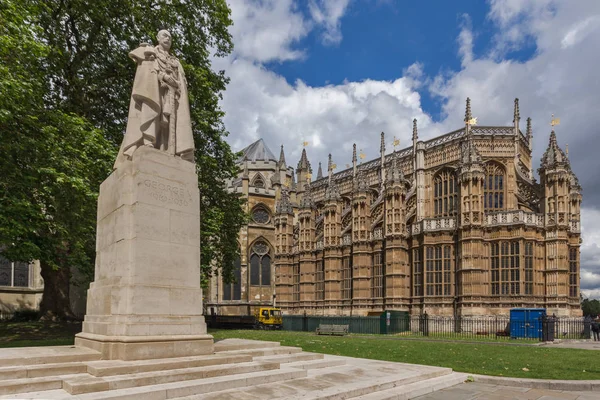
172	82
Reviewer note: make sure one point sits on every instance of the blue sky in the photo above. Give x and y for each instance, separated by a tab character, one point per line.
380	39
338	72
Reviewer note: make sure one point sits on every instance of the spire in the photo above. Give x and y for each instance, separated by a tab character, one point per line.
382	145
330	168
246	174
293	180
360	182
320	172
395	175
332	192
307	200
529	132
468	115
354	159
553	154
284	206
516	115
304	164
281	158
415	135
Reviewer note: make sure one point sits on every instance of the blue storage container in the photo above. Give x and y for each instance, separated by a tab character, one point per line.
526	322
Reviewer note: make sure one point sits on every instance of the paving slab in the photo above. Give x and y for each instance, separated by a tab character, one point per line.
481	391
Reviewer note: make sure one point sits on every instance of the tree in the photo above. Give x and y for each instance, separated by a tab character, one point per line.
87	76
51	164
590	307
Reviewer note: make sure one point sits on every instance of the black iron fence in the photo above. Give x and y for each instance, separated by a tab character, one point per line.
547	328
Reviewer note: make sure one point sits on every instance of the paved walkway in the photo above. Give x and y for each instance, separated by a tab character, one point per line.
481	391
575	344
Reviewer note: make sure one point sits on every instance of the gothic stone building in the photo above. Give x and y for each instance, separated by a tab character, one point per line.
456	225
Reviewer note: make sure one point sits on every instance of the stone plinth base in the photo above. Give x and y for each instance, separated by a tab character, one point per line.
130	348
146	301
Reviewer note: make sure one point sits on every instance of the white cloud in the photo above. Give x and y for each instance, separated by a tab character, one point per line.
266	30
465	40
328	13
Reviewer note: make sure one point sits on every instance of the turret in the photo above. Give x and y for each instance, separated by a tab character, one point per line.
471	176
396	187
555	176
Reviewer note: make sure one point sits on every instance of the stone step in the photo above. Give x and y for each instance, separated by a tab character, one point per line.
416	389
317	364
88	383
365	387
242	344
270	351
288	358
25	385
193	389
118	367
19	356
41	370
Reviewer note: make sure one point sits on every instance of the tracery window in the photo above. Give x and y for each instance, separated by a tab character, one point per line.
573	268
320	280
258	181
14	274
438	270
528	267
346	278
445	192
505	267
493	187
417	273
233	291
377	281
260	265
260	215
296	282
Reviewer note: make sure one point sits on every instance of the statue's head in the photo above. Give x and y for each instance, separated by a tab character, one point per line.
164	39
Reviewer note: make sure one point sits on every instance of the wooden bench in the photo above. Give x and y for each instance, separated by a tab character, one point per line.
324	329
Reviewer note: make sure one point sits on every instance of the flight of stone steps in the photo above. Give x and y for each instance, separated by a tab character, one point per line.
239	369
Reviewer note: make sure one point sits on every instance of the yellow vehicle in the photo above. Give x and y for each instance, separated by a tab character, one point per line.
268	318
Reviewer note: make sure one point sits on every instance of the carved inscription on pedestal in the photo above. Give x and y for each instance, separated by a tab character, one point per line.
166	193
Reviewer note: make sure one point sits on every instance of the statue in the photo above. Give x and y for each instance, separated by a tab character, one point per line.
159	111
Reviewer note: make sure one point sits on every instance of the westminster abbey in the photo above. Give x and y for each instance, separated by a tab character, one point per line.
455	225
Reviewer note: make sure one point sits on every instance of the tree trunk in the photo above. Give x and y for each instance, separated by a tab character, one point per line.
55	304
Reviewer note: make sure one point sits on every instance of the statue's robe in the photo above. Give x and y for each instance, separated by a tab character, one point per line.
145	109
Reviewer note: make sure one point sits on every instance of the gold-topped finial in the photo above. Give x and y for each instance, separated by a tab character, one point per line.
305	143
554	121
361	155
396	143
308	177
473	121
333	166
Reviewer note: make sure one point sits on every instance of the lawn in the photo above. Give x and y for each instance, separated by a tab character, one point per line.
476	358
488	359
25	334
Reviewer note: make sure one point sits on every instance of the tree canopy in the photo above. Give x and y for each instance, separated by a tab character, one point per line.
65	83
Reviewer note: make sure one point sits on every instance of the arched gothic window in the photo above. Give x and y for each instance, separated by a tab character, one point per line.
233	290
260	264
258	181
493	187
445	193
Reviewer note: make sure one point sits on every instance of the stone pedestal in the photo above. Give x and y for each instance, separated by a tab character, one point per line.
146	301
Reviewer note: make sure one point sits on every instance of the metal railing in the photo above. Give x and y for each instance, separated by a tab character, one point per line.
496	328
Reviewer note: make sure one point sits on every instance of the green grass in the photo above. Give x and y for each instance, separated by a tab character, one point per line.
488	359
